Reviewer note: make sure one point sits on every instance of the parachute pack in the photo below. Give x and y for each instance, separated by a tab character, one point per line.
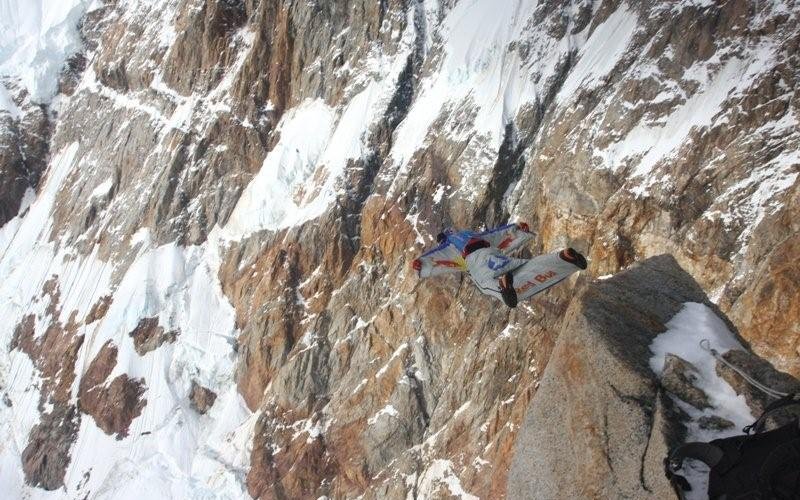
758	465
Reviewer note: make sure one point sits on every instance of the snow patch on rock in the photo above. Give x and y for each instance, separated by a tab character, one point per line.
440	473
684	332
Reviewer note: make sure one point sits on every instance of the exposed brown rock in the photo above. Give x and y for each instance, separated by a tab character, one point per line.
99	309
51	290
149	336
204	45
296	471
99	369
113	405
327	305
202	398
54	354
358	452
55	357
24	146
769	309
46	457
262	351
23	335
678	215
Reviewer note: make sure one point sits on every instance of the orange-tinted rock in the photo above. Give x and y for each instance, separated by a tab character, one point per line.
335	327
768	312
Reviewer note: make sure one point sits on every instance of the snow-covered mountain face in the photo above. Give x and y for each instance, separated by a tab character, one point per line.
209	208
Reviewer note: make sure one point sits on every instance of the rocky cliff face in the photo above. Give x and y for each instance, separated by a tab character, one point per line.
207	287
599	395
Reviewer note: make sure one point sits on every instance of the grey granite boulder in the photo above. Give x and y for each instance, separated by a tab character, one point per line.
679	377
601	424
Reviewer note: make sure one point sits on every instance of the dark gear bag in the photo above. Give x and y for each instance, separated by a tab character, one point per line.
761	466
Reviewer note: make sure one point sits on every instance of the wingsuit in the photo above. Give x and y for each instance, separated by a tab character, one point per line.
485	257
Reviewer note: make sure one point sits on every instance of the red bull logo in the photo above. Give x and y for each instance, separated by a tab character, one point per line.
539	278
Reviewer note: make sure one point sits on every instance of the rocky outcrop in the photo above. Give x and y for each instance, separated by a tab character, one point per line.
600	424
715	423
768	311
99	309
679	378
149	336
46	457
113	405
202	398
99	369
54	352
763	372
116	405
24	147
624	217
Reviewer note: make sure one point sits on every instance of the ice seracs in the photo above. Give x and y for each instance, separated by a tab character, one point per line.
36	39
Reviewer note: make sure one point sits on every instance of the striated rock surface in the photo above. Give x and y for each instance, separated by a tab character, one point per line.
24	147
116	405
47	455
53	353
768	310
